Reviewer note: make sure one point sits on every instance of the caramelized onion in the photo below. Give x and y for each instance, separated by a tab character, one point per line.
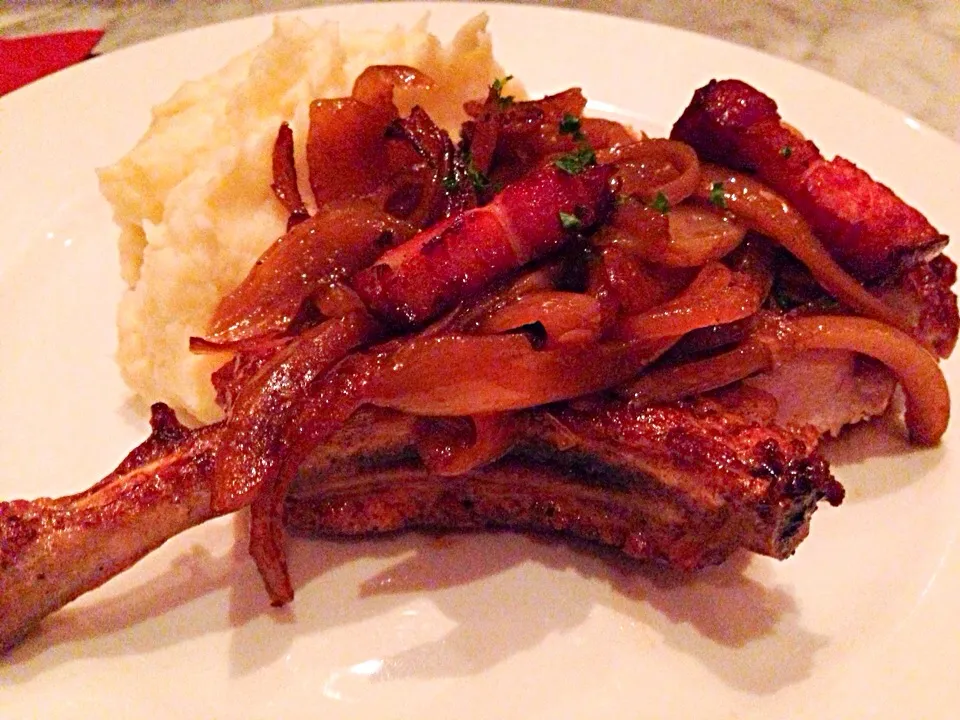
346	148
716	296
302	412
252	449
779	339
693	378
509	139
643	231
337	300
772	216
699	235
340	239
635	286
656	166
603	134
468	375
453	446
467	318
347	152
375	85
566	317
687	236
285	177
248	357
439	185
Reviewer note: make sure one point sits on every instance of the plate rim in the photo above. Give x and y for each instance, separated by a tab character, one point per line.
947	585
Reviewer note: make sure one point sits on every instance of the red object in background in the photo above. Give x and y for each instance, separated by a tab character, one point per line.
23	60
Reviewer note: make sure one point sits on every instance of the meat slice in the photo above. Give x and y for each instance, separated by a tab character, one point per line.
865	226
840	388
685	484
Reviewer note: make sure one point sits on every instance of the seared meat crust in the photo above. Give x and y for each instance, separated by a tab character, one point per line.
686	483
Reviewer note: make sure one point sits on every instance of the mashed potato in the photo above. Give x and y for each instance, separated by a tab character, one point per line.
193	198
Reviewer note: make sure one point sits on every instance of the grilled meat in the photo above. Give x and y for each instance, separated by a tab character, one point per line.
687	484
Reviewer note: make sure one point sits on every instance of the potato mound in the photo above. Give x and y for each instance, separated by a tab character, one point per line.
193	198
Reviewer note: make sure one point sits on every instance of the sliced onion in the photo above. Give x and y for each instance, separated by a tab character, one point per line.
469	375
687	236
253	449
346	148
285	177
699	235
693	378
510	139
467	318
340	239
348	154
375	85
779	339
716	296
656	166
643	231
607	134
422	194
635	286
566	317
453	446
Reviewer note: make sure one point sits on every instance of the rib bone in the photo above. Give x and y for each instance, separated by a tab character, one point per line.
53	550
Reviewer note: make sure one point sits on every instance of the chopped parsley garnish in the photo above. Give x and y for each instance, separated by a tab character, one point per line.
574	163
783	300
450	181
569	221
480	182
496	90
570	125
661	203
498	84
786	151
716	196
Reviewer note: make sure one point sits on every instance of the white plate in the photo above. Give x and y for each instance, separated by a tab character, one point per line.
860	623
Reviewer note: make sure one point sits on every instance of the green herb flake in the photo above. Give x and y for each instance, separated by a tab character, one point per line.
661	203
480	181
570	221
450	181
786	151
496	89
574	163
716	196
783	300
570	125
499	83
